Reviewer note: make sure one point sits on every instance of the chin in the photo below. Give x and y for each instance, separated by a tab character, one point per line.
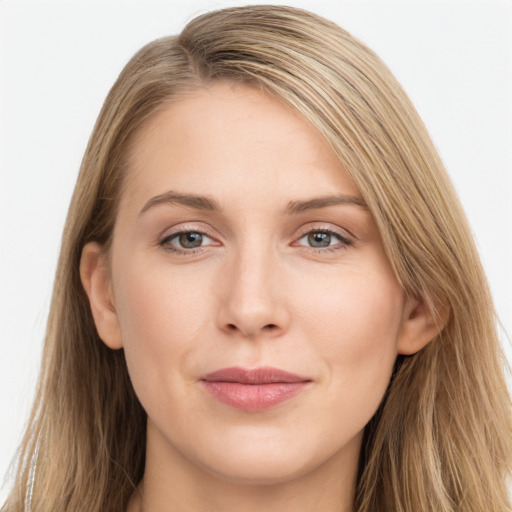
269	472
267	463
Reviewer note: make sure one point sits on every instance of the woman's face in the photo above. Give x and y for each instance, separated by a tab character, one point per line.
242	244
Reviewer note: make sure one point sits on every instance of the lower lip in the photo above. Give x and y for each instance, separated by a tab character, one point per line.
254	397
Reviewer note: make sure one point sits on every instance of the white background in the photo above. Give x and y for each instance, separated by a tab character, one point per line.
58	60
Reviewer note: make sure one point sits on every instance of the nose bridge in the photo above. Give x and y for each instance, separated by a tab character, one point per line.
252	277
251	303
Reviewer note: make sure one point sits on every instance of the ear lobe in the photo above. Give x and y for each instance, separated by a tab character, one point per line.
420	325
97	283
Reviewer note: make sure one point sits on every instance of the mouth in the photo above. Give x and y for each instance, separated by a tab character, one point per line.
253	389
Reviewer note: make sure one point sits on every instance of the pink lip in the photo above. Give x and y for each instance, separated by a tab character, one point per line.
253	390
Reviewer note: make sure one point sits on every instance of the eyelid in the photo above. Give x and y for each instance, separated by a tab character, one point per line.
345	234
186	228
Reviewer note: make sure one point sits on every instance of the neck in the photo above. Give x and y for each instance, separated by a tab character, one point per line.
173	482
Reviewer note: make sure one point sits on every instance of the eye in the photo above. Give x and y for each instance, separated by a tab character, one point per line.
185	241
324	239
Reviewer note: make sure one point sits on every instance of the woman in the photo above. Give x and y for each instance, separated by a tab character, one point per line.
263	226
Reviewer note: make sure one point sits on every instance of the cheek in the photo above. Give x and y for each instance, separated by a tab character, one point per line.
355	321
353	307
162	315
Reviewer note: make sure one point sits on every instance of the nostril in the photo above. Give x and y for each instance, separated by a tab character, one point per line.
268	327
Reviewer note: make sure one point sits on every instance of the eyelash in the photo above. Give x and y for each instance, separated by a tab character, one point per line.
343	240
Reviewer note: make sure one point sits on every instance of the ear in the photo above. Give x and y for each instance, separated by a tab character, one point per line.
420	325
97	282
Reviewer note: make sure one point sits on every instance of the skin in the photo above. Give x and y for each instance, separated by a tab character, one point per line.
255	293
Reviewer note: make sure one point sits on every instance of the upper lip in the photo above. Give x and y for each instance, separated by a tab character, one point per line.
263	375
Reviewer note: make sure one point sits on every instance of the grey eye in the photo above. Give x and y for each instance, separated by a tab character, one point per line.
319	239
324	239
190	240
182	242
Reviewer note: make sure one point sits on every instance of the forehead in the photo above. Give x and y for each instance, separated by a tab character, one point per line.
233	140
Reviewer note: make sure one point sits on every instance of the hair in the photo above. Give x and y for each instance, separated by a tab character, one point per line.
441	440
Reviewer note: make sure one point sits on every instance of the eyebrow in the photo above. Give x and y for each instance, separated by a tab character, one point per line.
191	200
295	207
198	202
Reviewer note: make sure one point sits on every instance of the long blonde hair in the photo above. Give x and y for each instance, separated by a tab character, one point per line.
441	440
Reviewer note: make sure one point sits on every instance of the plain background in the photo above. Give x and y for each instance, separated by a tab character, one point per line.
58	60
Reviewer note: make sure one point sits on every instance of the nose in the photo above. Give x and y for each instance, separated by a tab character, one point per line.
252	299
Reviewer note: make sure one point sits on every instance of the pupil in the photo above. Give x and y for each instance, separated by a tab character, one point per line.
191	240
319	239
